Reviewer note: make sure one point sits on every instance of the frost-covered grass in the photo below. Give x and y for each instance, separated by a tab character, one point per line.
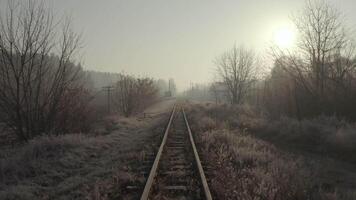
322	135
76	166
47	167
246	167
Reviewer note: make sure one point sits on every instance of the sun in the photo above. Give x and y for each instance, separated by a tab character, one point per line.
284	37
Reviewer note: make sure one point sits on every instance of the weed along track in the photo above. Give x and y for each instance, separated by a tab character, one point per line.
177	172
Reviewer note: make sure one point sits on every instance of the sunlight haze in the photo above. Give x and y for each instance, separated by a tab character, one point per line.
178	99
177	39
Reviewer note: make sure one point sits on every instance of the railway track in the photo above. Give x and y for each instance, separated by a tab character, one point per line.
177	172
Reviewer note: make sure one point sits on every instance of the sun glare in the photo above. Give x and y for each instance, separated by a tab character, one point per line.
284	37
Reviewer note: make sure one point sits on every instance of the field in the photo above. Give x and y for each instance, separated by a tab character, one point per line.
245	156
77	166
249	157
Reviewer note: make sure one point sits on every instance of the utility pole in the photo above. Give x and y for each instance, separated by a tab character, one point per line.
108	90
169	85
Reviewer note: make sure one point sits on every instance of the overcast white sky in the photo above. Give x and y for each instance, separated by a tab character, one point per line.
175	38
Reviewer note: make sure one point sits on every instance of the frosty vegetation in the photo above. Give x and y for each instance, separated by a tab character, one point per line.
44	89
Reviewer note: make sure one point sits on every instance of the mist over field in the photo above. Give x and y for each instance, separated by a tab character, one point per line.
159	99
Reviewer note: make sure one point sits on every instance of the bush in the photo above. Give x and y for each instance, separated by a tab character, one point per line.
134	94
321	134
207	124
246	168
26	162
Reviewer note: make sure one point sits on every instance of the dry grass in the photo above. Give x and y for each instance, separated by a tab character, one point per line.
52	166
322	135
245	167
77	166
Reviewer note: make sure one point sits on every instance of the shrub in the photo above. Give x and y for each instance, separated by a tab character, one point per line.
321	134
246	168
207	124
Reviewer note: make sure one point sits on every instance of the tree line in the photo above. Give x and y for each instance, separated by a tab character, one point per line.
317	77
36	69
320	77
43	89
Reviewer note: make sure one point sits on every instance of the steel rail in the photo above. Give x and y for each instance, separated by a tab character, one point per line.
198	163
150	180
153	171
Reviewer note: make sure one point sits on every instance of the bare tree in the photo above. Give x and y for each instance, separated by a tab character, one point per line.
125	94
237	70
323	40
323	36
146	92
323	65
215	92
35	67
134	94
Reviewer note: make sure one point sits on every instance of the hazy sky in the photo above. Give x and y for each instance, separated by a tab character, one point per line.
175	38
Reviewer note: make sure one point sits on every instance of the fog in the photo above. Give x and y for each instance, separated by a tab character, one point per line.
180	39
178	99
177	39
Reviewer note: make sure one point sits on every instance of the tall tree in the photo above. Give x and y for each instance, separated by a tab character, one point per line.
237	69
322	64
323	37
35	67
